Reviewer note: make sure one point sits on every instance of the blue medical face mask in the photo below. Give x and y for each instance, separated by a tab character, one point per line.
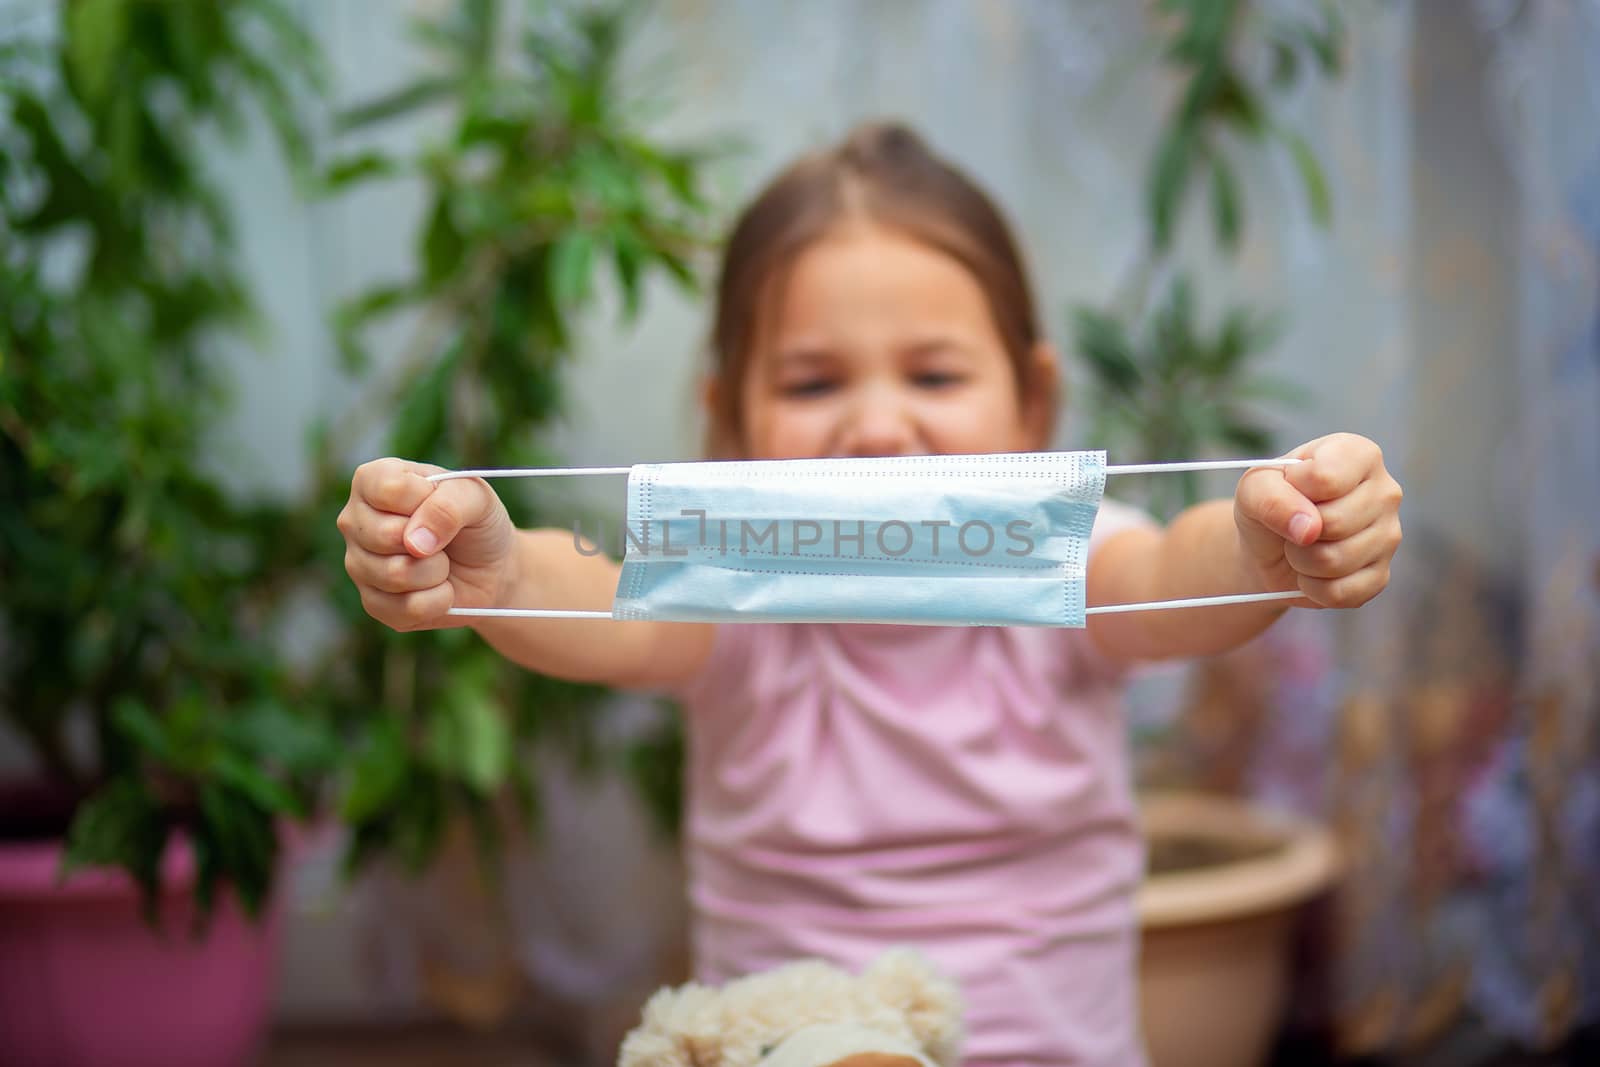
996	539
970	540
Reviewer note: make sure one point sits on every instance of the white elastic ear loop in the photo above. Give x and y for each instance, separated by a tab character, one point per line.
1105	609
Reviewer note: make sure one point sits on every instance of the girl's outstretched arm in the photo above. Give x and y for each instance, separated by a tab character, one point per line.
417	548
1329	527
550	572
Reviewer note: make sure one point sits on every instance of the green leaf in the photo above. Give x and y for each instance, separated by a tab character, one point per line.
1169	179
479	19
358	168
292	42
1253	439
119	826
468	738
627	257
1173	345
680	271
487	748
1241	337
377	774
442	243
1104	345
524	794
655	763
1237	103
1311	176
611	182
1225	211
265	791
678	170
417	95
419	824
144	729
462	35
209	874
244	841
571	260
1178	314
298	741
1327	44
355	315
421	422
96	30
71	199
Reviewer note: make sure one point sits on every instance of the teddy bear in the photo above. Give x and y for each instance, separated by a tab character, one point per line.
899	1012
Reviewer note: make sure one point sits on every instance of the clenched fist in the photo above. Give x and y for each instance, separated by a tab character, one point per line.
417	548
1329	525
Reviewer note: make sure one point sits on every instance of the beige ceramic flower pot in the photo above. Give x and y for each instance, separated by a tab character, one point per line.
1216	914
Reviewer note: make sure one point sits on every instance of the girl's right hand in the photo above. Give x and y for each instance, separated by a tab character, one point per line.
417	548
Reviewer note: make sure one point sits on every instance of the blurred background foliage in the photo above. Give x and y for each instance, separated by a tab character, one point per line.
134	589
140	599
543	188
1162	386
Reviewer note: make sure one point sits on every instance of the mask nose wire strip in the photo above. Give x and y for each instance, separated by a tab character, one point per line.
1105	609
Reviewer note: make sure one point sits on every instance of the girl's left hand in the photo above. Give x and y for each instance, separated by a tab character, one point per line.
1329	525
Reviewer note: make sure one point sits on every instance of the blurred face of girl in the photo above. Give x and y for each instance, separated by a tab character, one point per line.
883	346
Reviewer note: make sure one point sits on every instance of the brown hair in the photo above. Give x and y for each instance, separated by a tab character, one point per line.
883	173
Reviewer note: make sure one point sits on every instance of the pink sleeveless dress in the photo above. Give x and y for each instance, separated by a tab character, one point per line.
961	790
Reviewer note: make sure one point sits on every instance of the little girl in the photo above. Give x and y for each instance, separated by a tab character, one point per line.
852	787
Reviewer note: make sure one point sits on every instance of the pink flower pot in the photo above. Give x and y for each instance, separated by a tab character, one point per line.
84	982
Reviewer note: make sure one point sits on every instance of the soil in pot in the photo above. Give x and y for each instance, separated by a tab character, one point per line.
37	810
1175	853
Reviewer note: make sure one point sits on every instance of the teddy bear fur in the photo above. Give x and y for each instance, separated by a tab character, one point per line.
694	1025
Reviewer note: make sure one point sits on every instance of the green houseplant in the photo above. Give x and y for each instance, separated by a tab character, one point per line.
1225	878
546	204
132	585
128	577
1160	385
543	195
138	599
